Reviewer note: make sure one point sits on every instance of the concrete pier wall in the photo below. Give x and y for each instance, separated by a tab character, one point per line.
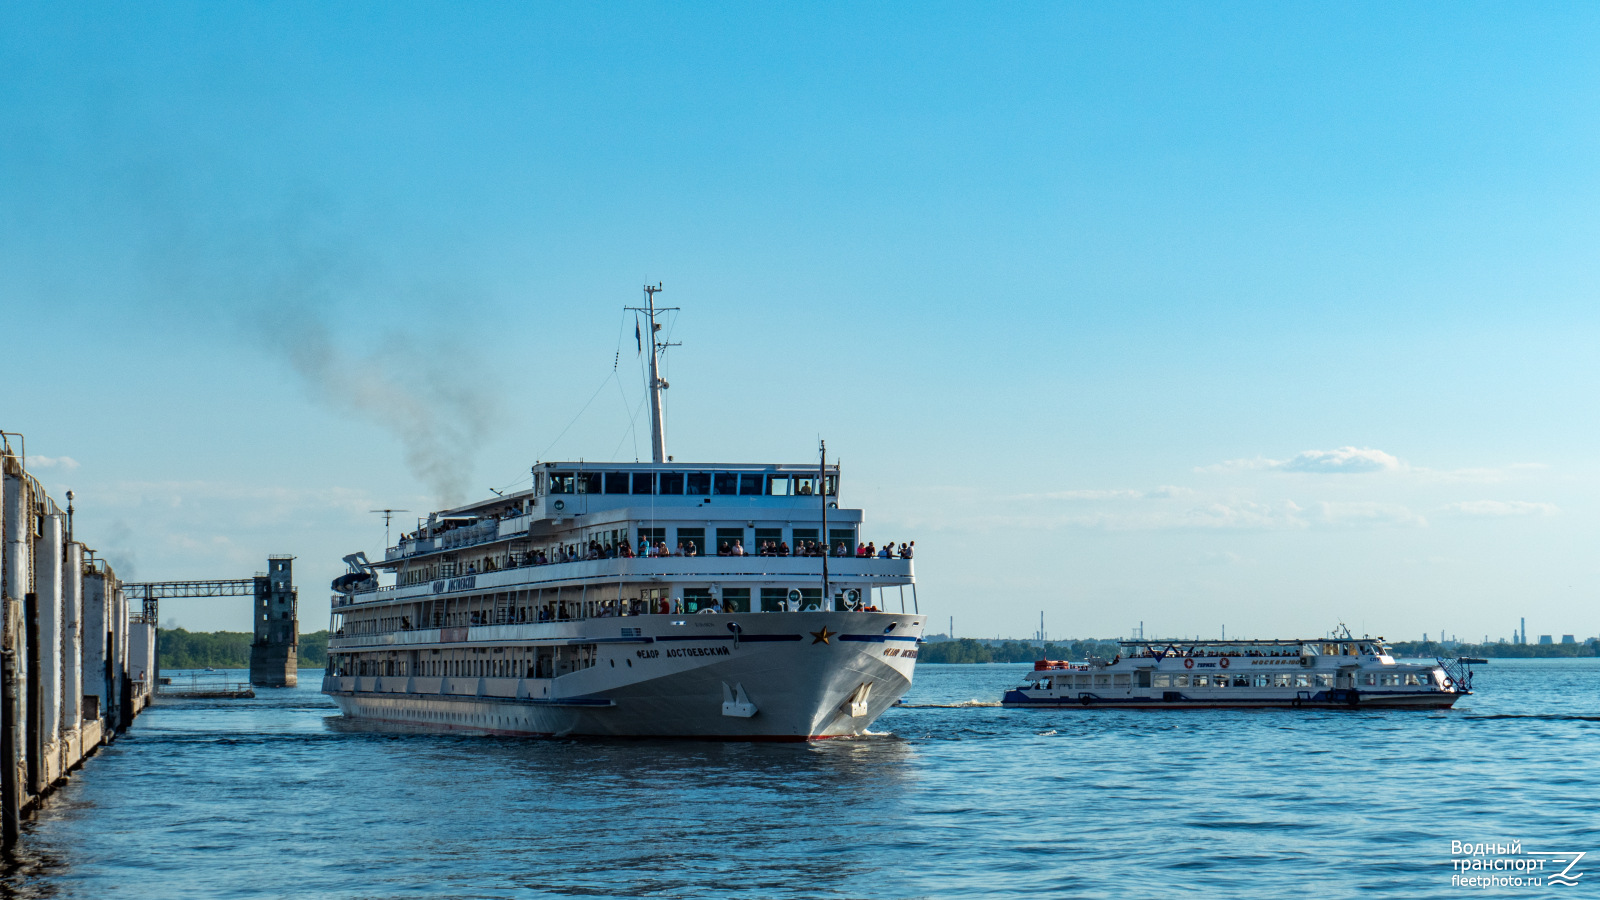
68	684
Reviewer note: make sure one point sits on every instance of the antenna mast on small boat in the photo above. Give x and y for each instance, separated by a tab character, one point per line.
658	419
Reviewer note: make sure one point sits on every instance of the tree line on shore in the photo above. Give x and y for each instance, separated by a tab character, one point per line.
1425	649
968	650
180	649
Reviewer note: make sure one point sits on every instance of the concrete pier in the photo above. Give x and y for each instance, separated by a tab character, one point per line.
73	663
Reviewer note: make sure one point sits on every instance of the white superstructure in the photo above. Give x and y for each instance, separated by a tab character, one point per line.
1317	672
555	611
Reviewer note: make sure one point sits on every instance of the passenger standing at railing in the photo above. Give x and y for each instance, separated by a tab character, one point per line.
861	550
738	547
723	549
783	548
840	549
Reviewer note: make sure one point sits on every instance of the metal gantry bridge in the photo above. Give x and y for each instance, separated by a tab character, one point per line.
274	649
152	592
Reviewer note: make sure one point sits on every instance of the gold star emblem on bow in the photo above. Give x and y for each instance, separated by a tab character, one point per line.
821	637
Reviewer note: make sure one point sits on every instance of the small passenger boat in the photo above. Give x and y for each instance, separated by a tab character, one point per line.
1337	672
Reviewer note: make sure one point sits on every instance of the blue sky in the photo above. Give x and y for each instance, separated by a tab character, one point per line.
1257	315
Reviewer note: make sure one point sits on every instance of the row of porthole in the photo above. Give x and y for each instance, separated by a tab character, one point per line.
481	720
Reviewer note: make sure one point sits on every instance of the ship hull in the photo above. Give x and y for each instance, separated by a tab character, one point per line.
1335	699
783	676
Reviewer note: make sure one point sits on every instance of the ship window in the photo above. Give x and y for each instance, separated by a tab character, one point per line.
1121	679
642	483
726	483
1202	681
1159	680
803	534
697	483
1262	680
1180	681
1369	679
750	485
764	536
804	485
1322	679
618	482
1302	680
671	483
562	483
653	536
778	486
736	599
1241	681
588	482
729	536
1102	681
846	536
772	599
833	485
695	536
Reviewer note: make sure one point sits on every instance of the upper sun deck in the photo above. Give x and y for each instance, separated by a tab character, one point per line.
1341	646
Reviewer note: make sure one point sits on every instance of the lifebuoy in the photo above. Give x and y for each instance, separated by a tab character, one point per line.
1188	664
1224	662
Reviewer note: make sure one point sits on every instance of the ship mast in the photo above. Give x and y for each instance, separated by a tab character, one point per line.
658	419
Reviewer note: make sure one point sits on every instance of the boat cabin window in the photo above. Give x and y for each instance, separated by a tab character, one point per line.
727	537
725	484
772	599
778	486
643	483
804	534
694	536
1121	679
698	483
588	482
736	599
1160	680
562	483
750	485
618	482
671	483
805	485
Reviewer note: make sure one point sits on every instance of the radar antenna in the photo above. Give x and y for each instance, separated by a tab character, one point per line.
387	515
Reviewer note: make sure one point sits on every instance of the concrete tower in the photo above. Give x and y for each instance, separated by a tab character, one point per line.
275	652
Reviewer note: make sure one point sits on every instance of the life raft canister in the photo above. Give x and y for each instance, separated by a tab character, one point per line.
1188	664
1224	662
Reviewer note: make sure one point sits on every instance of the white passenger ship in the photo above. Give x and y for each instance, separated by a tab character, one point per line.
661	599
1338	672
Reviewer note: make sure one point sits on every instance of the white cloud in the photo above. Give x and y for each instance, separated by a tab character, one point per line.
1501	508
1343	461
64	463
1367	513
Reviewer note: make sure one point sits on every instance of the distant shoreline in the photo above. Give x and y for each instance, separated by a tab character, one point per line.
969	651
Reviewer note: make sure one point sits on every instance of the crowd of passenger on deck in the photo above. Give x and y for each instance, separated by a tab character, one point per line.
597	550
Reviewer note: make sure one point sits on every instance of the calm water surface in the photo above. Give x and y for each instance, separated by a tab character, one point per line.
278	797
